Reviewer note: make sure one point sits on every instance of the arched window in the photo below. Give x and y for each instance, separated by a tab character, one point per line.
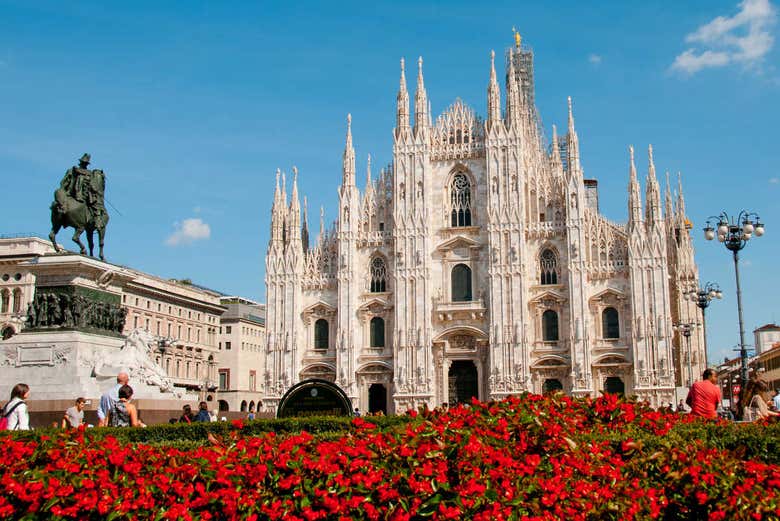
460	201
6	301
321	334
377	332
243	405
610	323
461	283
378	275
549	267
550	326
17	300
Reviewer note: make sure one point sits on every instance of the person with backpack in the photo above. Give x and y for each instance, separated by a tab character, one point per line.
124	413
15	416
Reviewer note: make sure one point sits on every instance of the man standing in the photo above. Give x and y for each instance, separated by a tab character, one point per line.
704	396
74	416
110	397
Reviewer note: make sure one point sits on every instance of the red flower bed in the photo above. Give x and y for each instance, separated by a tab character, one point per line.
530	458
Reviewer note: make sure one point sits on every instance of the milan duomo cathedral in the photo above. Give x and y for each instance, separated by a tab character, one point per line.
478	265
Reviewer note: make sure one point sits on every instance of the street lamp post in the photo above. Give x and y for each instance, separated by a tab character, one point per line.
685	329
734	233
702	298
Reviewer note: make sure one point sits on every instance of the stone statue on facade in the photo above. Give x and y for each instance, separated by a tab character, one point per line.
62	310
79	204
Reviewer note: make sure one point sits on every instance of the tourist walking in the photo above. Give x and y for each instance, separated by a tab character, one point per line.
203	413
110	397
704	396
776	400
15	415
74	416
757	408
123	413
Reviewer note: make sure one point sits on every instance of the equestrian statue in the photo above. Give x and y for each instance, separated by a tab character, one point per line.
79	203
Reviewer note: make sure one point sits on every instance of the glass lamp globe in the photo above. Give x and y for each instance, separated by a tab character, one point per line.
759	229
709	233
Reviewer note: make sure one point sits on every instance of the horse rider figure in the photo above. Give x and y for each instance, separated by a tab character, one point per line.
79	203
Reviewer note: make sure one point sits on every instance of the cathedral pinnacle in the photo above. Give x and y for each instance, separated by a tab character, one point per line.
573	144
634	197
402	115
518	38
494	96
349	156
368	174
420	100
556	151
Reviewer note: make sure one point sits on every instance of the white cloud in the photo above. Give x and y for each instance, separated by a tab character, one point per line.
774	180
188	231
743	39
595	59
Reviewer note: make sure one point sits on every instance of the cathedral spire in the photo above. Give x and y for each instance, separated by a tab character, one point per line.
668	207
349	157
277	212
295	209
512	95
421	116
680	197
368	174
494	95
652	191
322	225
634	196
305	225
573	144
555	157
402	100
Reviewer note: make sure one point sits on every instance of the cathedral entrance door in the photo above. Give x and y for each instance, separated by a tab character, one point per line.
463	381
377	398
614	385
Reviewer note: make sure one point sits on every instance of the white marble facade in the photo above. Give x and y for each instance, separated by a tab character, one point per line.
478	264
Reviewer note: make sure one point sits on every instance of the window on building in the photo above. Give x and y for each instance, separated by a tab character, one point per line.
461	283
124	299
378	275
550	326
169	329
148	304
135	322
146	324
17	300
178	332
549	267
224	379
158	327
136	301
197	335
321	334
228	330
610	323
188	369
178	368
227	346
252	381
6	301
189	334
460	201
377	332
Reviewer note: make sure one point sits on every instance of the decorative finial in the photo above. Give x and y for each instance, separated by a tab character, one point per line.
631	153
419	64
368	172
295	174
518	38
650	154
555	135
349	120
492	56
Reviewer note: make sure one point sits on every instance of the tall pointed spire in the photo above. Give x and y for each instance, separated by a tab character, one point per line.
494	94
680	196
512	94
420	100
277	212
348	178
368	174
573	147
555	157
322	224
402	100
305	225
634	196
668	207
652	191
295	210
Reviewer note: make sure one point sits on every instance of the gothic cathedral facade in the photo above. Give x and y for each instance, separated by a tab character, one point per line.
478	265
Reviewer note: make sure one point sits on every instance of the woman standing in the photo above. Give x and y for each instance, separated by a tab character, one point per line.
124	413
757	408
15	411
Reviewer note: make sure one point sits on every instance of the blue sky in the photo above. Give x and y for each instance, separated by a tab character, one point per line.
190	107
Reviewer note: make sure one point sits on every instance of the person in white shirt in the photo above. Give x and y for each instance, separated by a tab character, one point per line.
110	397
16	408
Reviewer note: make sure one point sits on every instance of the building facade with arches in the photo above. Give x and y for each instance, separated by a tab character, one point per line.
478	264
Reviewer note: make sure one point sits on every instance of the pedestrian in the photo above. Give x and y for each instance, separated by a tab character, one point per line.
203	414
681	406
757	408
74	416
110	397
15	415
776	400
250	415
356	412
187	416
704	396
124	413
213	415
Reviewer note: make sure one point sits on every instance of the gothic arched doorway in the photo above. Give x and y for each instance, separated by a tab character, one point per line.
551	385
463	381
377	398
614	385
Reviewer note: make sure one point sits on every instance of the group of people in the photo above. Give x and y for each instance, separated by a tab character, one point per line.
704	398
203	414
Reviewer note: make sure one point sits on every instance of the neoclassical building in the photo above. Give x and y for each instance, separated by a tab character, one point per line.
478	264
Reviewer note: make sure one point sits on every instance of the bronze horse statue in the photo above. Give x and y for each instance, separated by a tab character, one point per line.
87	214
